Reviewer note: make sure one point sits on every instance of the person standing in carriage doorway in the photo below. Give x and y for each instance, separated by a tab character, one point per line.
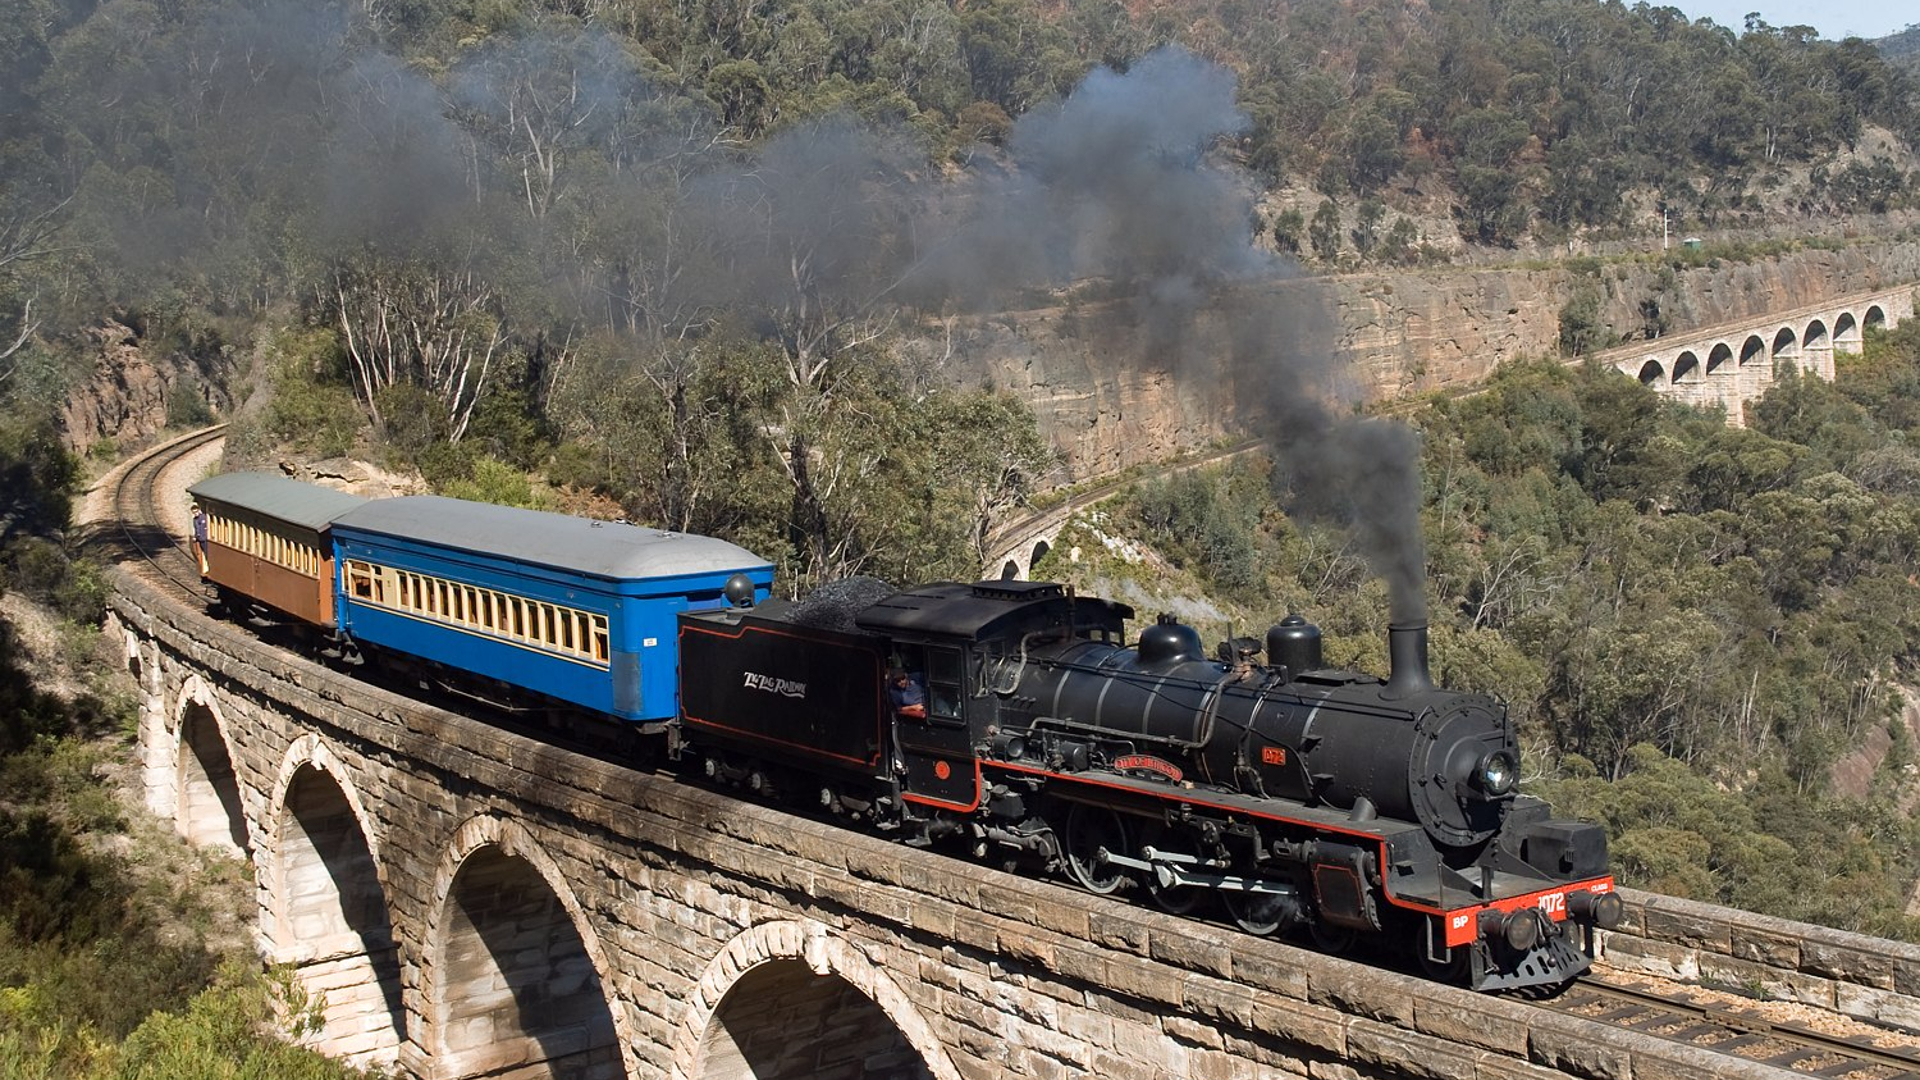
908	696
200	536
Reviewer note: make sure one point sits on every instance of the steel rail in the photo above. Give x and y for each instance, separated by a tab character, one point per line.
1735	1031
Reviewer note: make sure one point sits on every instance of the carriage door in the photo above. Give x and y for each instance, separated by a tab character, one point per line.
938	749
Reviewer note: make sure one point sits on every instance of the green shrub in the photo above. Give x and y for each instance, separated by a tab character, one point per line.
313	409
494	481
186	407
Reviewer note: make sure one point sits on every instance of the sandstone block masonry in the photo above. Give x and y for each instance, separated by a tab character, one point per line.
463	901
1870	979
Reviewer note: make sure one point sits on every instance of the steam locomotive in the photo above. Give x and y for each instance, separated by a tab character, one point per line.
1293	796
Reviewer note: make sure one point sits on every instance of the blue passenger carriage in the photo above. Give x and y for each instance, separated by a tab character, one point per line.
581	611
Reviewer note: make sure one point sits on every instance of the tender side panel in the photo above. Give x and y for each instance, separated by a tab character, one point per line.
780	689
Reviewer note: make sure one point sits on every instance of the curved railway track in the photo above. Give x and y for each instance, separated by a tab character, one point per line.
1710	1022
134	530
1020	533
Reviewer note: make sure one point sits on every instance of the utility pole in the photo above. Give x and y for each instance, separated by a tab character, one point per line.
1663	228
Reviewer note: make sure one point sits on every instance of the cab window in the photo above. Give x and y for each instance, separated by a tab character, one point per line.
943	683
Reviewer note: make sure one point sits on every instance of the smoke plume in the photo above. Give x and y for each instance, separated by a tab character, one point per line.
1124	181
281	130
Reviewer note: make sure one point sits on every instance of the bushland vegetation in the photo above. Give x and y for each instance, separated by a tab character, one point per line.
629	247
113	960
1691	622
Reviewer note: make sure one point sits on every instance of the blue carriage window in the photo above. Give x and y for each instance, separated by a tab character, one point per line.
360	580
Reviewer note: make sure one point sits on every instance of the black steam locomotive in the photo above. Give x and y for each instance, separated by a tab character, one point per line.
1301	797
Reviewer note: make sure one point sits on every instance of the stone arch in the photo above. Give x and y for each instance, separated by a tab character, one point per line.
1752	349
833	1007
1719	358
1816	348
1846	333
517	976
208	810
1651	373
328	907
1686	368
159	754
1786	344
1876	318
132	655
1040	549
1010	572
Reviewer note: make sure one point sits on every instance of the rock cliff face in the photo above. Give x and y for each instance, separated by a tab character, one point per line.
1411	333
1108	399
126	399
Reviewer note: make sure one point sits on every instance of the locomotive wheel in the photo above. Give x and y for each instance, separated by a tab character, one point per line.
1451	970
1333	940
1092	831
1256	913
1175	899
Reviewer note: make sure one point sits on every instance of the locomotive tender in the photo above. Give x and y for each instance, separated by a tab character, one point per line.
1294	796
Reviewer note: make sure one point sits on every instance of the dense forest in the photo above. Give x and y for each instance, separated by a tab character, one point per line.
1902	49
694	262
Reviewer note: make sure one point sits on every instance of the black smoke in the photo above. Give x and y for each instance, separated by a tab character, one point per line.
281	129
1127	181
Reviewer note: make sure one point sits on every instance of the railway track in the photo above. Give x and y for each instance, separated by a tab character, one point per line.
133	532
1020	533
1710	1021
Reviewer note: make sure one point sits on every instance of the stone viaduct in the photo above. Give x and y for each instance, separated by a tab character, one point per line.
1727	366
1732	364
458	901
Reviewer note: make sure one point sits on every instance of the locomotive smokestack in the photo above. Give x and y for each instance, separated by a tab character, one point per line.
1407	646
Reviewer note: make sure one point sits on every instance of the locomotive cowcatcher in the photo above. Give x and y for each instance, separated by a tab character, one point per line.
1299	797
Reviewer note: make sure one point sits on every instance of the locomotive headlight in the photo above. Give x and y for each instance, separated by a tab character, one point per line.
1522	930
1604	910
1496	774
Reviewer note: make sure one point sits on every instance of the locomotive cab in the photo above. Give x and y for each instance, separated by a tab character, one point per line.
958	640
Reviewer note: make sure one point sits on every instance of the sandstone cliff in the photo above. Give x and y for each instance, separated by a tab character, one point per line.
1110	398
126	400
